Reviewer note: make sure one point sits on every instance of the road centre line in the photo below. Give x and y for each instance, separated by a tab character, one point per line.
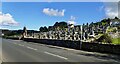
31	48
20	45
14	43
56	55
26	46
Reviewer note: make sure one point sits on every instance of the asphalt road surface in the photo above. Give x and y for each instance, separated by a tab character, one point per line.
21	51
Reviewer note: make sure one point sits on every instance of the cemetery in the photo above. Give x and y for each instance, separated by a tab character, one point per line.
85	33
101	36
93	32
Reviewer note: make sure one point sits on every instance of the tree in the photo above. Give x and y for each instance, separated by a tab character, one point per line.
50	28
83	24
108	19
91	24
116	18
60	24
56	24
104	20
41	29
45	29
24	31
87	24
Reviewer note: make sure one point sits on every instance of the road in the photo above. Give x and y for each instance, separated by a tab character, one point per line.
21	51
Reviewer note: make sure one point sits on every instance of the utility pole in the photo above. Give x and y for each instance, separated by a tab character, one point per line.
81	37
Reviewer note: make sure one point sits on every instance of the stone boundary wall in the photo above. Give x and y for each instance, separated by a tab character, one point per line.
94	47
14	38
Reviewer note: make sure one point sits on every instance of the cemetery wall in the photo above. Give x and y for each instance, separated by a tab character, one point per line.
14	38
94	47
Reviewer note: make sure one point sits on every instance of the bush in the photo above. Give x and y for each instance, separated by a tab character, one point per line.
105	38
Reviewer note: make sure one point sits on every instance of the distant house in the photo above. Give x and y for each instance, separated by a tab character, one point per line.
115	22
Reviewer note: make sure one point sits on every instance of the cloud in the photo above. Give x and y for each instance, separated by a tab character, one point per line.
111	9
7	20
72	20
109	0
52	12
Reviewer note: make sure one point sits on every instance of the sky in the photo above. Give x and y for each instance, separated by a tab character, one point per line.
60	0
16	15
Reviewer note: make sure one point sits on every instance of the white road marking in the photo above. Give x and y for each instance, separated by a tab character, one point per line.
31	48
25	42
20	45
14	43
26	46
56	55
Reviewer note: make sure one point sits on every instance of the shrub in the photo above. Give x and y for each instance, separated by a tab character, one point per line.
105	38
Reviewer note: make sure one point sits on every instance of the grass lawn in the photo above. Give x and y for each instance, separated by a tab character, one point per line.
116	40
